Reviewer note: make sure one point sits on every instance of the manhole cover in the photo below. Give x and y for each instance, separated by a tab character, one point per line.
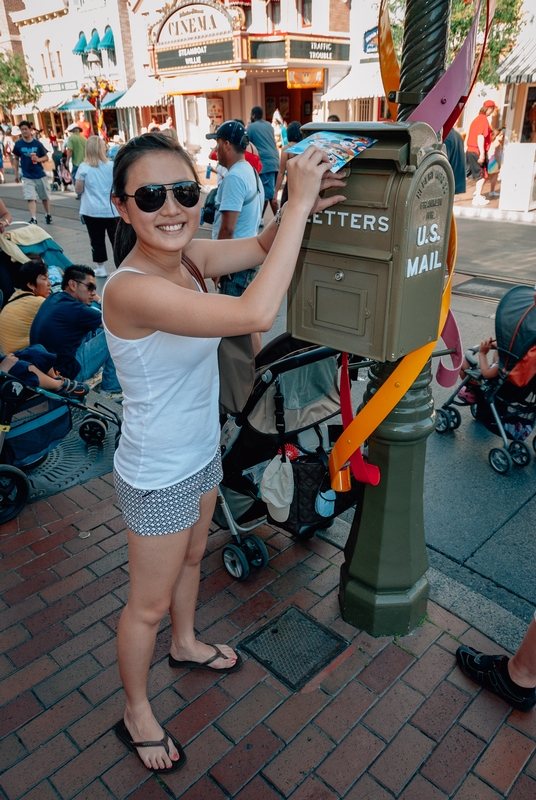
72	461
294	647
484	287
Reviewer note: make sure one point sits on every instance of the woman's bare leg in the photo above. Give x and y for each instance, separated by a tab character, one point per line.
184	645
522	667
155	563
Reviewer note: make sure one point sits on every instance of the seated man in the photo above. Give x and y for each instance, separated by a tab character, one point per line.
68	325
32	289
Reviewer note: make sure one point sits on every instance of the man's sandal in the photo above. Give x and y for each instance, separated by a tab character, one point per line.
122	733
206	664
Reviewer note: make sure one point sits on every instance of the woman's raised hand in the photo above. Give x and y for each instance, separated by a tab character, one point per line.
308	174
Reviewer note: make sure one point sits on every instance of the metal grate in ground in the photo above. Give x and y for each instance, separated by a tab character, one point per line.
72	461
294	647
484	287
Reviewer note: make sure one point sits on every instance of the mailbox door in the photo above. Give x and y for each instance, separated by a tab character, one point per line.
340	301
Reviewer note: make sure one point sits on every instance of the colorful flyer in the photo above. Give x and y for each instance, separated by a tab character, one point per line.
340	147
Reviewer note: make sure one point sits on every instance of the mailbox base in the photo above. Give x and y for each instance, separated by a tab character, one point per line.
382	613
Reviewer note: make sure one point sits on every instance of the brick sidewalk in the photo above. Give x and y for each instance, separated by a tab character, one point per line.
388	718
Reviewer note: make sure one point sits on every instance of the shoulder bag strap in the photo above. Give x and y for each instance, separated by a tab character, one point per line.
18	297
194	272
253	196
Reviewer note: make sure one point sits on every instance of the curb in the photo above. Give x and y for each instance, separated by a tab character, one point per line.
495	215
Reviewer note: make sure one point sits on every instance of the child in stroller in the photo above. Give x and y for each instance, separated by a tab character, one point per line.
35	366
62	178
502	396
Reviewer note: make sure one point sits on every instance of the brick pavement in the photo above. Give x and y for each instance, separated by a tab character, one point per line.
389	718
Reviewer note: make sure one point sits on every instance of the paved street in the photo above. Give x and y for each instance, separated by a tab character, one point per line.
389	718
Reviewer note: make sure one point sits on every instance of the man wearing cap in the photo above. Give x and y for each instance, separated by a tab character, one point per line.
75	147
261	134
30	155
239	200
477	145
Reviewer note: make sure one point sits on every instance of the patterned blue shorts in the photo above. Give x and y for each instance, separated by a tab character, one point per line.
156	512
237	283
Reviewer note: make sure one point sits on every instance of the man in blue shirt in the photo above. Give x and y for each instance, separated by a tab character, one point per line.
30	155
261	134
239	200
67	324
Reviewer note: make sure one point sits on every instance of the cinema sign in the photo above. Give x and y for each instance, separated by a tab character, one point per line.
194	21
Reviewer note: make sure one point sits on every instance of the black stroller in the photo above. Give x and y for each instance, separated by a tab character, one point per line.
505	405
294	396
32	422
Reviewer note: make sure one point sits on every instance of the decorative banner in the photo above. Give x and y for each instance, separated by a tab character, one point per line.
305	78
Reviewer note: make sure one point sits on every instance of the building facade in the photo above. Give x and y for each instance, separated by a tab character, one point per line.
76	49
215	61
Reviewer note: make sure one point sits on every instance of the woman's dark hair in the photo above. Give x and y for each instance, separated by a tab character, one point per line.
28	274
294	132
128	154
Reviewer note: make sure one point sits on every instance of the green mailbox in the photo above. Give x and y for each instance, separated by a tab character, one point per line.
371	270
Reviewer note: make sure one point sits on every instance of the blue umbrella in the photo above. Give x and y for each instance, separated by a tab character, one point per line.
77	104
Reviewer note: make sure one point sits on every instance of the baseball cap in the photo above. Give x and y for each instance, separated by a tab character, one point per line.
277	488
489	104
74	127
232	131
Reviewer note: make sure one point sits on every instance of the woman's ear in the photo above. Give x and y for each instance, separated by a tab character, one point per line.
121	207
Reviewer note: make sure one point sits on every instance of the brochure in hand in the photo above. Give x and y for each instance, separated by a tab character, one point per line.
340	147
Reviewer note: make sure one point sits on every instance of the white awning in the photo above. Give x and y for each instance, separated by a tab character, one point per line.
51	100
363	80
201	82
22	111
143	92
520	65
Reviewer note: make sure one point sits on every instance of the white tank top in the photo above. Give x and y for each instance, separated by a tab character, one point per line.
170	405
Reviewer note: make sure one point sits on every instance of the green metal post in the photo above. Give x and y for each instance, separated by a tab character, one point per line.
383	587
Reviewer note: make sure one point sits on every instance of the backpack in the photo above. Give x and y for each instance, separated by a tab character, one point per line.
208	212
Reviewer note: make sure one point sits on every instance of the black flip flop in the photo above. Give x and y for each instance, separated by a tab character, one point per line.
122	733
206	664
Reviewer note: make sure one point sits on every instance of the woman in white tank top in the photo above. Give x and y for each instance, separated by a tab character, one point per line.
163	332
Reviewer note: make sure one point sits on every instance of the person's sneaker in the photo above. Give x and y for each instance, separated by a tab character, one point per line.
494	194
33	221
48	219
100	271
479	200
467	395
491	672
117	397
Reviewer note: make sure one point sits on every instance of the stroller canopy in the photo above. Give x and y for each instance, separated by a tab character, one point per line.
515	327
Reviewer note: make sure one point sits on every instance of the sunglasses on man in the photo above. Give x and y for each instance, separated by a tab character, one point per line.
152	198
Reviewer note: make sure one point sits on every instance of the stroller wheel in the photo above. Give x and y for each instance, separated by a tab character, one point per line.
93	430
500	460
235	562
474	410
455	418
520	453
14	491
256	552
443	420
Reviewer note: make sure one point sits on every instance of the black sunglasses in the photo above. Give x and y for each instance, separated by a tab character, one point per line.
91	286
152	198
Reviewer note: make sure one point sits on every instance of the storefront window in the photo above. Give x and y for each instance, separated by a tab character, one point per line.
528	133
306	12
274	13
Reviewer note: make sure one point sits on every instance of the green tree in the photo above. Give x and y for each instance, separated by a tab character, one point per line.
15	86
505	28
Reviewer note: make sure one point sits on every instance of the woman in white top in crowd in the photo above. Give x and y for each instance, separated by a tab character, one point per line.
94	183
163	332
